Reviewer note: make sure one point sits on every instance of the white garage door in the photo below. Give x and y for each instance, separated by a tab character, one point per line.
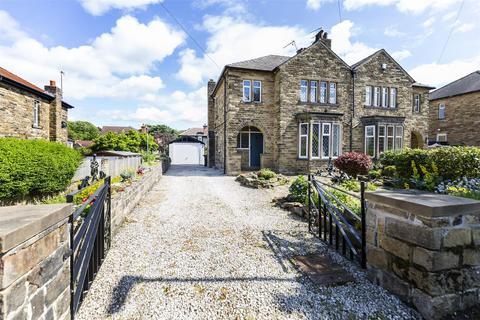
186	153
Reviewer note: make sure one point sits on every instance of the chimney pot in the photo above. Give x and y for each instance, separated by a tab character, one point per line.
53	83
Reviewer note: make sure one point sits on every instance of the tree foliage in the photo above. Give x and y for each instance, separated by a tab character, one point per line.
161	128
82	130
132	141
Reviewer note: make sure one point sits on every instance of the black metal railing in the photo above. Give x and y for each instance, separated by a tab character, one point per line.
90	237
334	222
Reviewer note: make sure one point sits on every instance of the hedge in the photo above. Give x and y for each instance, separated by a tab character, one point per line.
34	168
452	162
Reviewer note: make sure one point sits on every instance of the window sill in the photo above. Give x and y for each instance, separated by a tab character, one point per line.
252	103
36	127
319	104
381	108
316	159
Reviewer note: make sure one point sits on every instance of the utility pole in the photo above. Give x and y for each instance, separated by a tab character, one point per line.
61	80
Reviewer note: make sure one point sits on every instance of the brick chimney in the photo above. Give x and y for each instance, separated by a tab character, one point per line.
323	37
57	114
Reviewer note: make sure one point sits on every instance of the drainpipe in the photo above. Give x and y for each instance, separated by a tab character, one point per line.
353	109
224	124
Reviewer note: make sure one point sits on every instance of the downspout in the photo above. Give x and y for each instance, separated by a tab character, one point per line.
353	109
224	124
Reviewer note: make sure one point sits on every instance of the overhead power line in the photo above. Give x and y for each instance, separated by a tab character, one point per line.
188	33
451	31
339	10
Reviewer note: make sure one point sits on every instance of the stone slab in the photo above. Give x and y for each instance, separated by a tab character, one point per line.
20	223
322	270
425	203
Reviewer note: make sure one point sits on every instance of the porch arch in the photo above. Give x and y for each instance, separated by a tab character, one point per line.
416	140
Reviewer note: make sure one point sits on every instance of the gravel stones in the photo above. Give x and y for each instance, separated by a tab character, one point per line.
200	246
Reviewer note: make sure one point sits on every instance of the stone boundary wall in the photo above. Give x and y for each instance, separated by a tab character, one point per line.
124	202
34	262
425	248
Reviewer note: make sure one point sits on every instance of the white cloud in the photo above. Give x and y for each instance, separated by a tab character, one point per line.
316	4
9	28
233	40
232	6
350	51
449	16
463	27
429	22
115	64
441	74
392	32
412	6
99	7
401	54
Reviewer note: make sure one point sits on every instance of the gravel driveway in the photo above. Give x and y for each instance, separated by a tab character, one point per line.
200	246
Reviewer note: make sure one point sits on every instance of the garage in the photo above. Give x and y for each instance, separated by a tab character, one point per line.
187	150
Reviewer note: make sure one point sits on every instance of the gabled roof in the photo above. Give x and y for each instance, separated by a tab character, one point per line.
422	85
7	74
467	84
265	63
194	132
367	59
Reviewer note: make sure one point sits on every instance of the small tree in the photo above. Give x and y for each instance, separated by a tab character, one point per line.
353	163
82	130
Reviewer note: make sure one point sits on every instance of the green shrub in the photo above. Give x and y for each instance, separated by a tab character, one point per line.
127	175
35	168
389	171
353	163
375	174
354	185
299	189
266	174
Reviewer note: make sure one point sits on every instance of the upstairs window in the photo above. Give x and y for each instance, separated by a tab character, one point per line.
257	91
441	111
333	93
384	97
393	97
313	91
416	102
36	113
247	91
303	90
376	96
323	92
368	95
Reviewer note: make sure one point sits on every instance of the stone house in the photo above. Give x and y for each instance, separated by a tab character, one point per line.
28	112
455	112
201	134
267	112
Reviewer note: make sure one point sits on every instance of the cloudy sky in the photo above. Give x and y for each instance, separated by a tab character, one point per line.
129	62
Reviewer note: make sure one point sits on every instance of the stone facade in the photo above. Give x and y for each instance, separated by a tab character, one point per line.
462	119
425	249
278	115
17	109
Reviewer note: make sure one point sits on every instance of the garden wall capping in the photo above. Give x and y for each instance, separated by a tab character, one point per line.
425	203
425	248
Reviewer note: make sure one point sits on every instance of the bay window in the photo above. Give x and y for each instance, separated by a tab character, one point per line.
398	137
393	97
323	92
303	141
247	91
387	137
370	140
257	91
326	140
316	140
382	138
333	93
313	91
390	137
336	136
303	90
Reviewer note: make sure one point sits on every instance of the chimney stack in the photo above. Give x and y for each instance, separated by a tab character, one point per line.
322	36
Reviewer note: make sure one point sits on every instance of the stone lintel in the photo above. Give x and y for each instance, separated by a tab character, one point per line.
20	223
425	203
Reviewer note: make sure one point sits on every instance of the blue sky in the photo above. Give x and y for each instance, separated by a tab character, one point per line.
128	62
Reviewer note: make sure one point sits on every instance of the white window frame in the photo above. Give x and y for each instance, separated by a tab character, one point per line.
376	96
397	137
441	107
249	86
303	85
339	142
329	135
393	98
441	135
392	136
384	137
332	89
368	95
300	136
314	90
384	97
323	95
319	135
36	113
370	136
416	102
253	91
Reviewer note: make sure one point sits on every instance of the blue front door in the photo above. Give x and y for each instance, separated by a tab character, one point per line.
256	148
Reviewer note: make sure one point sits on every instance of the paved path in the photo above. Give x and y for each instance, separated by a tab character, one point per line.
200	246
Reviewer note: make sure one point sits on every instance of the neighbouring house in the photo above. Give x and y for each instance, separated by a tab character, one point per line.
267	111
455	112
163	139
29	112
201	134
82	144
115	129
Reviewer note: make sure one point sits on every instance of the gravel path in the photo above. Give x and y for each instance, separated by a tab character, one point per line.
200	246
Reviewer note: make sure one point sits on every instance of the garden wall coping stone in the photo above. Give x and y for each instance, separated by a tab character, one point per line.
425	203
20	223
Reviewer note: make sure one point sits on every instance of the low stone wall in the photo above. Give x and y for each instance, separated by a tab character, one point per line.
34	262
124	202
425	248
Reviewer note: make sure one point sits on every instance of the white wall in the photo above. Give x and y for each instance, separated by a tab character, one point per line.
112	166
186	153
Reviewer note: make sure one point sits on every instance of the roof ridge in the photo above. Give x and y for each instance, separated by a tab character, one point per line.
455	81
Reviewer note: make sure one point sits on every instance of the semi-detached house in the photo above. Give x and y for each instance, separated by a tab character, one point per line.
266	112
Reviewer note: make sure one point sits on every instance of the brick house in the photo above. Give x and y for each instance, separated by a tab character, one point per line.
265	112
29	112
455	112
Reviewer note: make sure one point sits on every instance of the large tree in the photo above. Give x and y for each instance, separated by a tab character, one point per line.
129	141
161	128
82	130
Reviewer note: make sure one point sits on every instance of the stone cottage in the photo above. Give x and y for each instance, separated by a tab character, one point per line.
455	112
28	112
267	112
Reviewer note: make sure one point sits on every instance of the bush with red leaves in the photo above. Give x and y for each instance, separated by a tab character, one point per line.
353	163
